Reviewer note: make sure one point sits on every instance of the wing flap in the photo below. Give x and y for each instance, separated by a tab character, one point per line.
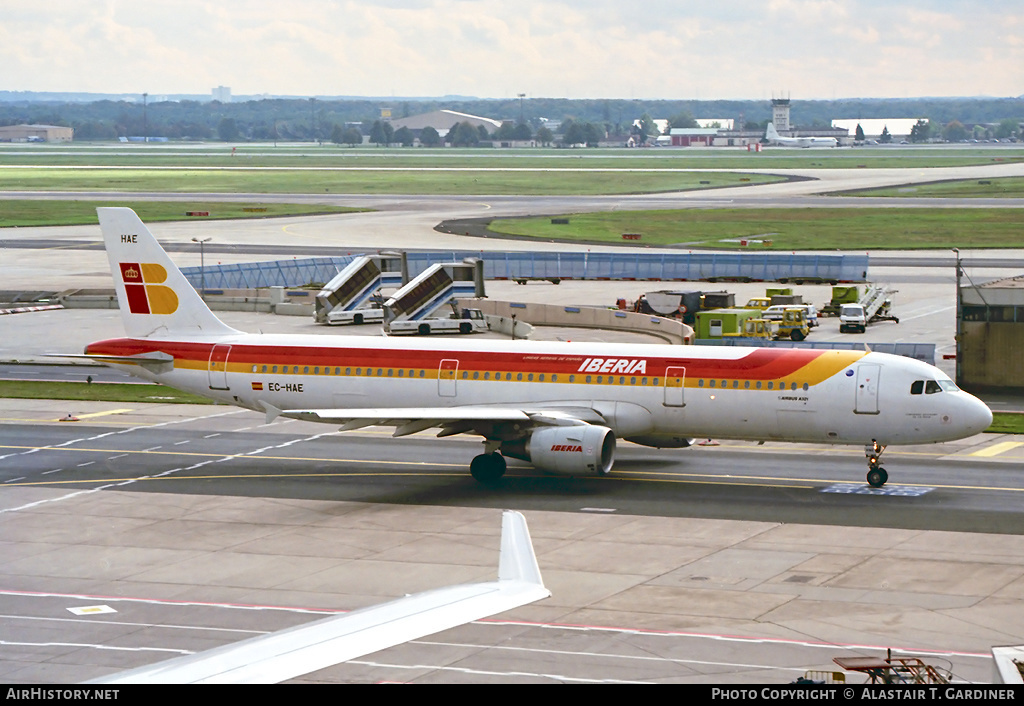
394	416
451	420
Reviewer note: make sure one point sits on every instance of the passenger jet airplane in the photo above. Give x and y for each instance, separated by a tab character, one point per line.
774	137
559	406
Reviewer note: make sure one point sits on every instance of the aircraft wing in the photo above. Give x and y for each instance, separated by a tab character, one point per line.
155	362
290	653
451	420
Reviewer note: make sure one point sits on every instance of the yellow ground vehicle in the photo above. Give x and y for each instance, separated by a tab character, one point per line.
758	328
761	303
793	326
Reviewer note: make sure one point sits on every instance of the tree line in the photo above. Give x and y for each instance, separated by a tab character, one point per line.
318	119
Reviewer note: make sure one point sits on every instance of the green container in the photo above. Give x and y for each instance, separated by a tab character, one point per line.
720	323
845	294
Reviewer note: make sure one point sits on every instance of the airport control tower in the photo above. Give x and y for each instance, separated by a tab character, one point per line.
780	114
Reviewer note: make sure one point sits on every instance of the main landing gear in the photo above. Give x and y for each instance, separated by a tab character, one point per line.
488	468
877	475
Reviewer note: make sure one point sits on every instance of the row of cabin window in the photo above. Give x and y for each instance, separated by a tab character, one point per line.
758	385
530	377
337	371
476	375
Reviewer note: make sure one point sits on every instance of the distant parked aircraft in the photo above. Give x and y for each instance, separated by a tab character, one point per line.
775	138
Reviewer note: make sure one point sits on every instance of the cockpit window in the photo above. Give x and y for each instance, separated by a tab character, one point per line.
930	387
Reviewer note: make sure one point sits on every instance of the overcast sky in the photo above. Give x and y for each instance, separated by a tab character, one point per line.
678	49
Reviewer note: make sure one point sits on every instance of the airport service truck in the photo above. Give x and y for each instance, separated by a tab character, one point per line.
876	305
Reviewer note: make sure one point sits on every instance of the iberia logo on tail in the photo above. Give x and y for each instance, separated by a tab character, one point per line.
146	294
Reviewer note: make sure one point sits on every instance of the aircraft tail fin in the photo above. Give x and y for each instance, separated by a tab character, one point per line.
154	297
771	133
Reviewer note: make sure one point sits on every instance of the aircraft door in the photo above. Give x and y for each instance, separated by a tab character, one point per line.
218	368
447	373
867	389
674	386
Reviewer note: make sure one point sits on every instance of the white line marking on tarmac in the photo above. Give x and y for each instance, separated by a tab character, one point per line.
77	493
95	647
488	672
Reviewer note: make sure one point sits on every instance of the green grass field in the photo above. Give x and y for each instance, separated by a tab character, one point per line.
30	212
98	392
1007	423
786	228
1005	188
456	182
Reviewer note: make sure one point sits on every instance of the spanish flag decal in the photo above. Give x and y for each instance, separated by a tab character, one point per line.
144	288
257	386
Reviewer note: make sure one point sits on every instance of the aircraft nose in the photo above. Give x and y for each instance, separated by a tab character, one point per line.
978	415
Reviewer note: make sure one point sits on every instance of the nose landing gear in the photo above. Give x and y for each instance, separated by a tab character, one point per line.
877	476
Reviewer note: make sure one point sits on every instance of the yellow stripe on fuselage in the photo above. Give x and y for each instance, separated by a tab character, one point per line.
827	364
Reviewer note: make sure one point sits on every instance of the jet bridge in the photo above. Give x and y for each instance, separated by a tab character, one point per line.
353	296
438	286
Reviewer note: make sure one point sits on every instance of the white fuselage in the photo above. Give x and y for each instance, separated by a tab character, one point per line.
648	392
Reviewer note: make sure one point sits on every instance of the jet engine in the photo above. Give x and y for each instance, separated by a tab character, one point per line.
571	450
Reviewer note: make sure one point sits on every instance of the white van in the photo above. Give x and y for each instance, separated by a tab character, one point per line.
852	319
774	312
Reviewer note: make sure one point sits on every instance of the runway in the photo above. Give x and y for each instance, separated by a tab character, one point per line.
143	531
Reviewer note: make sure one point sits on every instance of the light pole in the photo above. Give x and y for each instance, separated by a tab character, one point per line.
202	264
521	118
958	374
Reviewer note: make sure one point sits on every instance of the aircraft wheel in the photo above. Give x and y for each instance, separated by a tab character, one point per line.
488	468
877	477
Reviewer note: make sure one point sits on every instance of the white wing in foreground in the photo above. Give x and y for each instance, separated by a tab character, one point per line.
290	653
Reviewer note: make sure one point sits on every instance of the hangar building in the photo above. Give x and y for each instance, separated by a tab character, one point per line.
442	121
36	133
991	346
